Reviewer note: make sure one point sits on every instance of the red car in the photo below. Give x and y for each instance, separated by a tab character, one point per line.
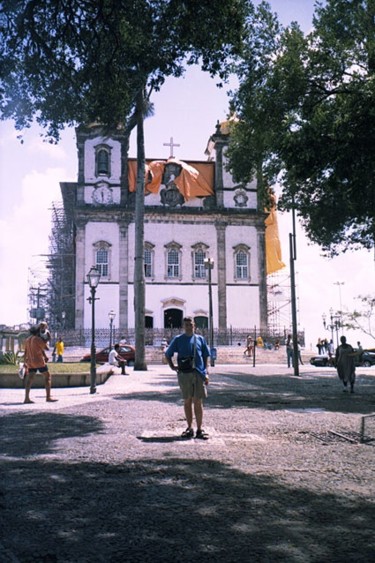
126	351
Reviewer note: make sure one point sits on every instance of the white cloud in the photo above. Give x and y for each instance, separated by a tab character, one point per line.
24	235
50	150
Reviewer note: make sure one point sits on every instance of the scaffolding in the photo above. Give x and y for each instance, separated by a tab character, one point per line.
61	265
279	302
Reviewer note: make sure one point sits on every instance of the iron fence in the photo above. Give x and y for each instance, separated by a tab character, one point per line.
154	337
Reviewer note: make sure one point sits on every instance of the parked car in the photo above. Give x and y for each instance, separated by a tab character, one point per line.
322	361
367	358
126	351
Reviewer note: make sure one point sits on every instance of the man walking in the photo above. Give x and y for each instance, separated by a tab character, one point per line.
192	371
36	362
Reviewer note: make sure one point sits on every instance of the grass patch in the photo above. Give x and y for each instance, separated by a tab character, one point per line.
55	368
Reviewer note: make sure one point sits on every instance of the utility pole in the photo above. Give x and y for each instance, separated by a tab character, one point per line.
293	258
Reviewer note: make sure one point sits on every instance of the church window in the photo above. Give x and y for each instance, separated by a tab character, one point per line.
173	264
103	160
199	254
241	261
173	256
149	260
102	258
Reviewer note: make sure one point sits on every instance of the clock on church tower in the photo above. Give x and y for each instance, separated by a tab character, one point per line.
102	195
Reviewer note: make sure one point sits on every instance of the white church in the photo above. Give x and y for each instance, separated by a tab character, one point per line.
194	211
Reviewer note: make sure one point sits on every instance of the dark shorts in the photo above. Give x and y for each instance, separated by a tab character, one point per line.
40	370
192	385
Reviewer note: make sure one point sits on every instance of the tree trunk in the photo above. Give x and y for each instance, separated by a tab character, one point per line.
139	276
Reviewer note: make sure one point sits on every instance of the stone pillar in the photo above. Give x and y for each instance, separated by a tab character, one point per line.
80	275
123	276
81	167
221	275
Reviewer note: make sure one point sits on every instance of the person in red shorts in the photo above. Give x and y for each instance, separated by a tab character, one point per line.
36	362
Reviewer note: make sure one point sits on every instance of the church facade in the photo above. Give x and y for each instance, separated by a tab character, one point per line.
195	217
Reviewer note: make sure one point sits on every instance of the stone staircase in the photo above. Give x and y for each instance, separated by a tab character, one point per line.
235	355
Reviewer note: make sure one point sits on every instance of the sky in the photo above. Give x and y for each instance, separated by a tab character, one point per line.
186	109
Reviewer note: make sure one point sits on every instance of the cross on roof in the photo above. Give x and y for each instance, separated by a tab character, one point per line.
171	144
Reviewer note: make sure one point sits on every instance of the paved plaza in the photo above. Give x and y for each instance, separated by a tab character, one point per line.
107	478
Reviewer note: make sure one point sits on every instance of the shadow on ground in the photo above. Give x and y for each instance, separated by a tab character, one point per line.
29	434
172	510
272	392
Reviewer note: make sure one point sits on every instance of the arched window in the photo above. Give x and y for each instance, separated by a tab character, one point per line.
199	254
242	262
149	260
102	258
173	260
103	160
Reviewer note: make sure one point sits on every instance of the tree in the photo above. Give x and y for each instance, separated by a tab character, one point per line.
363	318
323	137
66	62
257	105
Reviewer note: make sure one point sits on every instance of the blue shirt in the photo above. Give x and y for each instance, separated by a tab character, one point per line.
183	345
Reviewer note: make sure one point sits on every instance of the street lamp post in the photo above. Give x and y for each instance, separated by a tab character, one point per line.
63	315
340	284
334	324
93	278
111	316
209	264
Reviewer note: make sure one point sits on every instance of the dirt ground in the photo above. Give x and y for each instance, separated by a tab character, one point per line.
283	477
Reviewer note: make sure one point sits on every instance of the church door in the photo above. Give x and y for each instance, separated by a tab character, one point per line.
201	322
172	318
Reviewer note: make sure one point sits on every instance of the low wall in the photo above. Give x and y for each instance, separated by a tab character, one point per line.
12	381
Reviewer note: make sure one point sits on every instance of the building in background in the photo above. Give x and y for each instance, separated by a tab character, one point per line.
193	211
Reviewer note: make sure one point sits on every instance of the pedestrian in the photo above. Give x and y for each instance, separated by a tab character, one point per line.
36	362
299	348
60	349
249	346
289	350
345	364
192	372
331	351
164	346
54	354
114	359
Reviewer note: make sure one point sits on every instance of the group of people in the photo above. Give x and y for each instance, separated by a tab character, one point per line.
191	367
325	347
259	343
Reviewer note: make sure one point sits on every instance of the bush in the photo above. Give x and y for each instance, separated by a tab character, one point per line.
9	358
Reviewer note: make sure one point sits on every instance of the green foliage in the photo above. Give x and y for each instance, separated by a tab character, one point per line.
9	358
67	62
312	118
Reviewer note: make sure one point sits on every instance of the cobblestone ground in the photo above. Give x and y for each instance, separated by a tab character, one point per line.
106	478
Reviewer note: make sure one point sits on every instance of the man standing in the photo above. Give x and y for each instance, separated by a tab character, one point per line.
114	359
36	362
192	371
